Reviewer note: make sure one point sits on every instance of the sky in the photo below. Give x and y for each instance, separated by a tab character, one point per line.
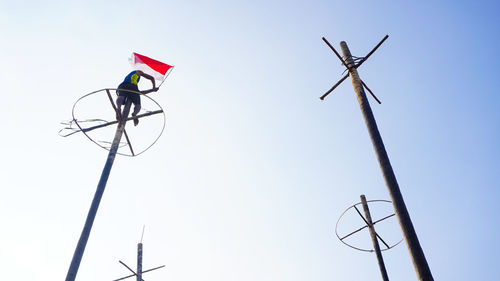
253	170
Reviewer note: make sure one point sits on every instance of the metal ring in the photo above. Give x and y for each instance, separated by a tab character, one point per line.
113	89
356	248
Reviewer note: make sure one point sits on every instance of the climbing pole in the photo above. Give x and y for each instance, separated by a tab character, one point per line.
352	63
159	71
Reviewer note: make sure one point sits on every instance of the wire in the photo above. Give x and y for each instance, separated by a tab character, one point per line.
71	125
355	60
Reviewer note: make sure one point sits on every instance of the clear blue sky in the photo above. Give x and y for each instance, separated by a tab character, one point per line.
253	170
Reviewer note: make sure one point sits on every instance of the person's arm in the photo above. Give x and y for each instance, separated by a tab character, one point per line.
149	91
150	78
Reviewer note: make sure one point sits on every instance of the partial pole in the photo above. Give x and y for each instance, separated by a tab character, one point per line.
84	237
416	253
373	235
139	262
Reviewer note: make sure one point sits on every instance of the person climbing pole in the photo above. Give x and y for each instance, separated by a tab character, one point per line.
129	89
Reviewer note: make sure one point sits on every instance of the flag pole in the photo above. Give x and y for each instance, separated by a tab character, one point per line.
168	73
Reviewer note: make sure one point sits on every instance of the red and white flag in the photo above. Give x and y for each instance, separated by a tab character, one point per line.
155	68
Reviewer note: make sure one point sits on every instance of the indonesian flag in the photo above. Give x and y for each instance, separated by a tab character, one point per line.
155	68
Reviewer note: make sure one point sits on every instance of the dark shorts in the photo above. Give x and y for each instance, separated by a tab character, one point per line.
134	97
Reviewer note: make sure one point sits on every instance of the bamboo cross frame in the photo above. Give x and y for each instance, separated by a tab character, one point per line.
85	130
356	66
118	117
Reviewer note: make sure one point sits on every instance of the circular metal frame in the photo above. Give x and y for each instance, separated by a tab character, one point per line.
354	247
114	89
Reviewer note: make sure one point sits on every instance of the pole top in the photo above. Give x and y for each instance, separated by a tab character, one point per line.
343	45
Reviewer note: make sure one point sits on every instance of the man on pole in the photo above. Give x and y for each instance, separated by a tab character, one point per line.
129	89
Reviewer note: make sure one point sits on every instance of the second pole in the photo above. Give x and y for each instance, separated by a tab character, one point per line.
373	235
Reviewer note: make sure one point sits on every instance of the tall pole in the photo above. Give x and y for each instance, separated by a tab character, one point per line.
84	237
373	235
139	262
416	253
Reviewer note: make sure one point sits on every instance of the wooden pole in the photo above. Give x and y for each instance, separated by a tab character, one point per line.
373	235
84	237
416	253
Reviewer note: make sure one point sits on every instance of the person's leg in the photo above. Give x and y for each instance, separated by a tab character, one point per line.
136	99
137	108
119	102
